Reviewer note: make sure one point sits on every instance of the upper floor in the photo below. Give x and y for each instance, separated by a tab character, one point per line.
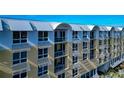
17	34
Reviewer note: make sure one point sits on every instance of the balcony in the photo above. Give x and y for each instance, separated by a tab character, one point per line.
86	38
76	53
86	50
76	40
101	37
44	44
44	61
61	39
59	68
21	46
115	63
21	66
60	53
5	67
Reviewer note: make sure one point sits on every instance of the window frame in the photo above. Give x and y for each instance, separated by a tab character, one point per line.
59	64
75	59
61	75
41	36
20	74
85	45
42	70
85	54
20	38
43	54
74	72
20	59
75	34
74	47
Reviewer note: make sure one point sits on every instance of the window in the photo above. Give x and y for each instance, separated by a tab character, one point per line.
84	45
100	34
92	34
91	73
42	53
59	64
75	72
75	47
105	41
85	34
19	57
61	75
42	36
83	76
100	51
91	54
92	44
100	42
19	37
84	56
42	70
88	75
21	74
75	35
59	36
59	47
75	59
100	60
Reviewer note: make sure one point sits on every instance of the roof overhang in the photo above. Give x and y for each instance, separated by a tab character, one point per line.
116	29
102	28
75	27
57	25
87	27
41	26
18	25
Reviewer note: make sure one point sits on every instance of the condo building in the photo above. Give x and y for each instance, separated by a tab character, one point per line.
35	49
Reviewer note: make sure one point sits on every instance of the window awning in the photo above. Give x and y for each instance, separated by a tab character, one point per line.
75	27
42	26
1	29
18	25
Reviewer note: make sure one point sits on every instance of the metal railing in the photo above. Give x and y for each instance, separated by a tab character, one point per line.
59	53
61	39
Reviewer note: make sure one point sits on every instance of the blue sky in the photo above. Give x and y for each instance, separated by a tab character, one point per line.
110	20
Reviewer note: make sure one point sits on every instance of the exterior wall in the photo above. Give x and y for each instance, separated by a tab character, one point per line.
5	63
7	49
6	39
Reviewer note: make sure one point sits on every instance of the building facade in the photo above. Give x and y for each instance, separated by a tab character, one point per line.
35	49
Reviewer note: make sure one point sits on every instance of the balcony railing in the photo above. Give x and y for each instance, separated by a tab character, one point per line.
21	66
86	38
59	53
60	39
74	38
91	46
44	60
44	44
21	46
59	68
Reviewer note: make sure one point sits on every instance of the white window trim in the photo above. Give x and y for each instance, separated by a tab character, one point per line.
20	58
